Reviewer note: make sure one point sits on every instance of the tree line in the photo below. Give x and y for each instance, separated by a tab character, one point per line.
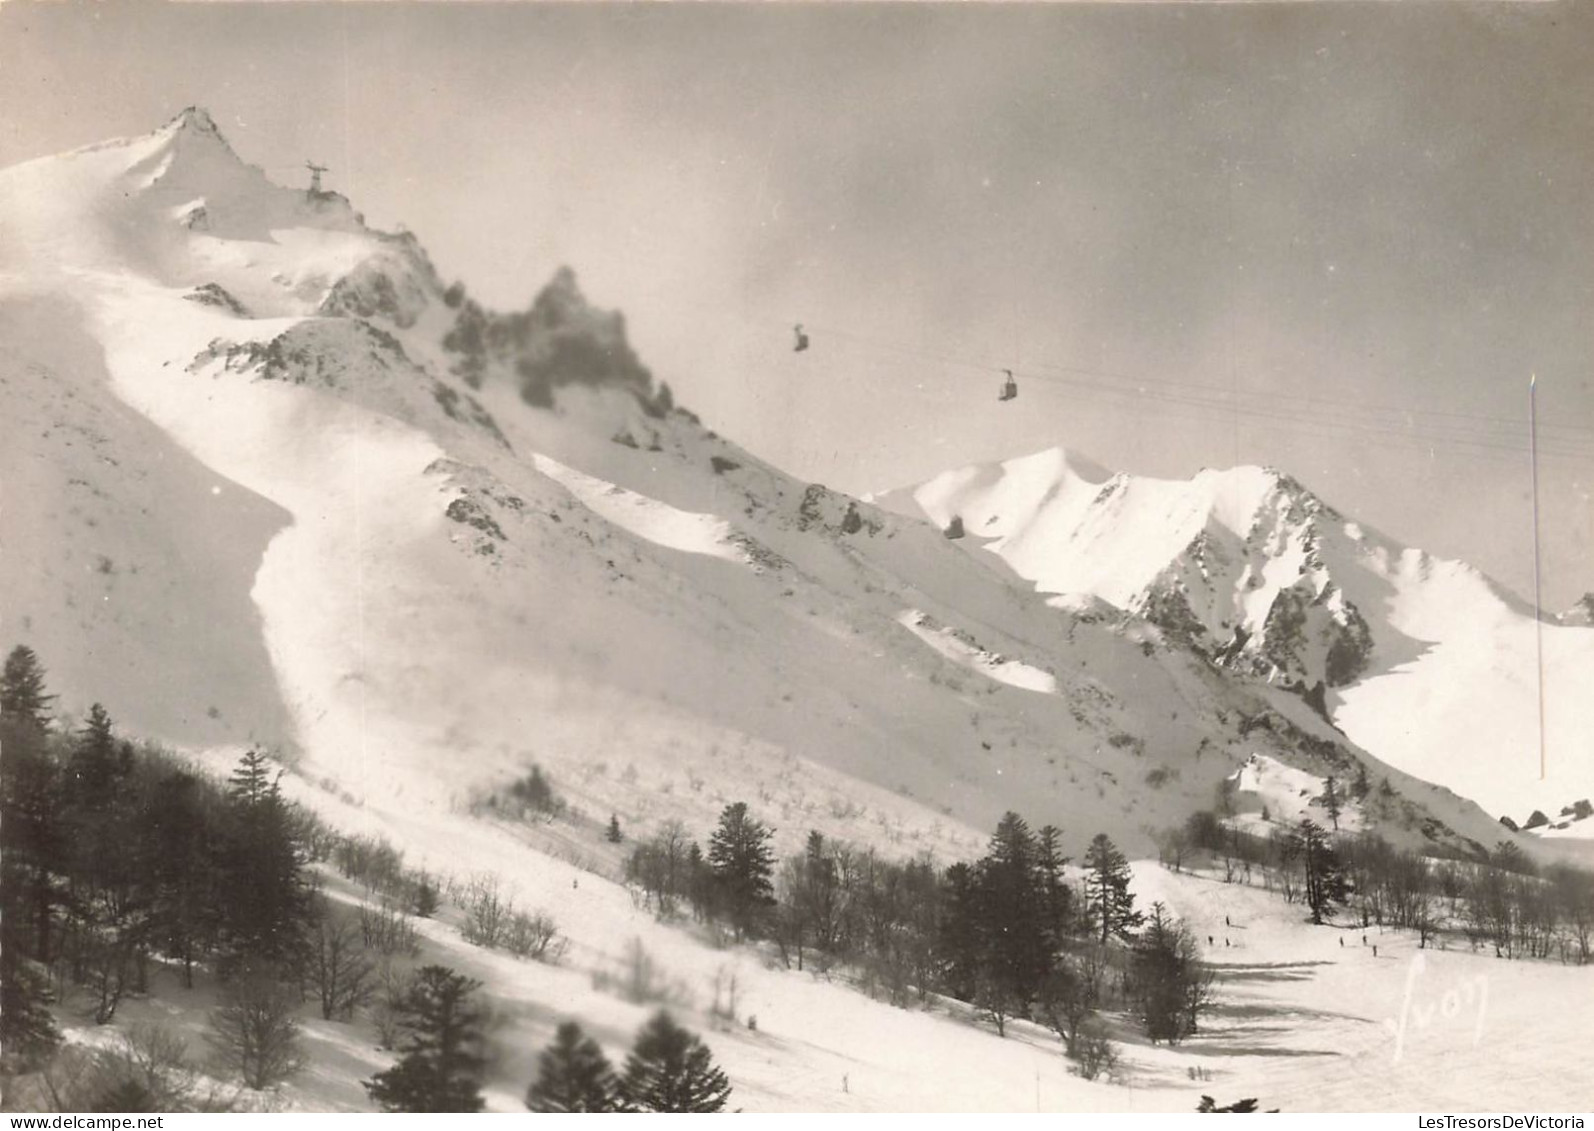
1503	901
113	855
117	860
1016	933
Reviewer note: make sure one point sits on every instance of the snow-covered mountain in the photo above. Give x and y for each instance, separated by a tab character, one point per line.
1422	661
277	483
267	479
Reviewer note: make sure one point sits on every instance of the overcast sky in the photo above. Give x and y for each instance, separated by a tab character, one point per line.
1333	238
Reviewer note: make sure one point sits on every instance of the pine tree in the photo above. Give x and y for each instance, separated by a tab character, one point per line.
1326	885
808	899
98	743
109	884
1331	804
1112	904
96	768
265	894
918	919
1509	857
1015	935
573	1075
441	1064
1056	899
425	902
820	894
97	774
742	864
959	938
251	781
614	834
671	1070
34	839
23	698
182	846
28	1035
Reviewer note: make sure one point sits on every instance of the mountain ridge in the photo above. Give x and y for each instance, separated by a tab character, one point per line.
1259	574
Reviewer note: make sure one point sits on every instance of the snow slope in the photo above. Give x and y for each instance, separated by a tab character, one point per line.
79	464
957	647
1311	1019
1287	796
649	519
1424	662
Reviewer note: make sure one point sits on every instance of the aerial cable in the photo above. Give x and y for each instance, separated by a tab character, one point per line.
1434	426
1402	421
1227	411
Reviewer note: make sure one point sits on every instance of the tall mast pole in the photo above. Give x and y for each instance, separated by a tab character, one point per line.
1538	606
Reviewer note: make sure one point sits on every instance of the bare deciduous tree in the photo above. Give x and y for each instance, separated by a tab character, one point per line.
388	931
534	935
487	913
339	968
255	1032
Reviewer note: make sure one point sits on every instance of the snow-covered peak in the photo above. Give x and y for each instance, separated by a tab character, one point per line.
195	128
195	118
1248	567
1073	527
179	208
190	151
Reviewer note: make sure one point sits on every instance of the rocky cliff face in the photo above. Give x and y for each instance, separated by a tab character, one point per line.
562	340
1240	565
1228	597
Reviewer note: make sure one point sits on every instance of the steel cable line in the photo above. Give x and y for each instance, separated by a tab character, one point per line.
1477	433
1395	422
1042	370
1234	401
1415	431
1206	412
1475	443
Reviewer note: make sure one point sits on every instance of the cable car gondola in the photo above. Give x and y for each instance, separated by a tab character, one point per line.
1009	387
802	339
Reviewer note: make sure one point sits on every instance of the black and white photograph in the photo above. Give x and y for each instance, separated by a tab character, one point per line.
830	557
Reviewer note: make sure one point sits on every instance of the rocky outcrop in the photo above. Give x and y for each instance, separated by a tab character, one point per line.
213	294
562	340
396	285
